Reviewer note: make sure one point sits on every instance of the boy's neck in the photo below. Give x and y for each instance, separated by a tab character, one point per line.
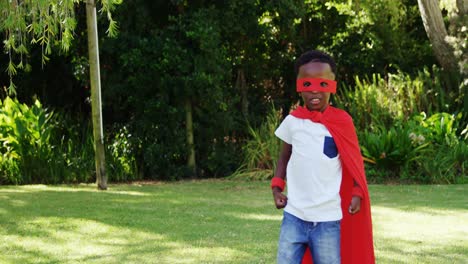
321	110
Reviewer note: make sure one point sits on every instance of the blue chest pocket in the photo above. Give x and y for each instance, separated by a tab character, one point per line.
329	147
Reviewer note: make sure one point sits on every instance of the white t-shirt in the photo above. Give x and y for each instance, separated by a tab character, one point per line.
313	172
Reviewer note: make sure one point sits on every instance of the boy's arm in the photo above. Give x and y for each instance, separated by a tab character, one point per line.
357	194
278	196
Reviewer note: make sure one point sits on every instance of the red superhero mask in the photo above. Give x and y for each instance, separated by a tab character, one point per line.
315	84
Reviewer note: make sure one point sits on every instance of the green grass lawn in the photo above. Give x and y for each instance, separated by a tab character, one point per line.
210	222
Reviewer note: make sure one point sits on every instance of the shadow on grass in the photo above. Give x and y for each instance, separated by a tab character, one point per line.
187	222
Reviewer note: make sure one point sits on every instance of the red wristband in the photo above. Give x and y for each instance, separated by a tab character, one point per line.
278	182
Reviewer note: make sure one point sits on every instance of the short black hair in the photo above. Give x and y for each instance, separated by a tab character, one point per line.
316	56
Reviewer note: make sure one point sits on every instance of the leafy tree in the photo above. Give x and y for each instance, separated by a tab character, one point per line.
46	22
159	71
449	49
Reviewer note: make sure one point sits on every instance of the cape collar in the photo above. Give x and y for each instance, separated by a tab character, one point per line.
315	116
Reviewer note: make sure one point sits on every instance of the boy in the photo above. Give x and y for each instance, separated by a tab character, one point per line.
327	209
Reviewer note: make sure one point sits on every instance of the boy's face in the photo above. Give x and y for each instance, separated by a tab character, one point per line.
315	100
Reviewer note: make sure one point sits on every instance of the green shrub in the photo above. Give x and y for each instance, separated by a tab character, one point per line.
25	135
442	128
445	164
382	101
403	122
447	160
368	102
420	149
74	143
9	170
40	146
223	156
261	151
75	150
122	162
393	150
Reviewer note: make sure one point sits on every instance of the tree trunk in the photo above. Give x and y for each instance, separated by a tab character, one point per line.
190	138
95	79
241	84
435	29
461	6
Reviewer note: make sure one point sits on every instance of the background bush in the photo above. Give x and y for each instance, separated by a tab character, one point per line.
25	136
40	146
399	141
262	150
403	131
232	60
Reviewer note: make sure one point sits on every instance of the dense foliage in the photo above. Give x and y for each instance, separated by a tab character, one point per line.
42	22
233	60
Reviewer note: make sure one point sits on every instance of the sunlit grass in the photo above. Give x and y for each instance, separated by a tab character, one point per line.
421	224
209	222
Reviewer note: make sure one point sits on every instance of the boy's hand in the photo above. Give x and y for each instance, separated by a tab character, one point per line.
280	199
355	205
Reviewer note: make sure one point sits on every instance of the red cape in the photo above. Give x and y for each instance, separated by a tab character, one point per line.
357	245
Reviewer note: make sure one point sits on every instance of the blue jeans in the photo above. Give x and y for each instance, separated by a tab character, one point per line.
323	239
